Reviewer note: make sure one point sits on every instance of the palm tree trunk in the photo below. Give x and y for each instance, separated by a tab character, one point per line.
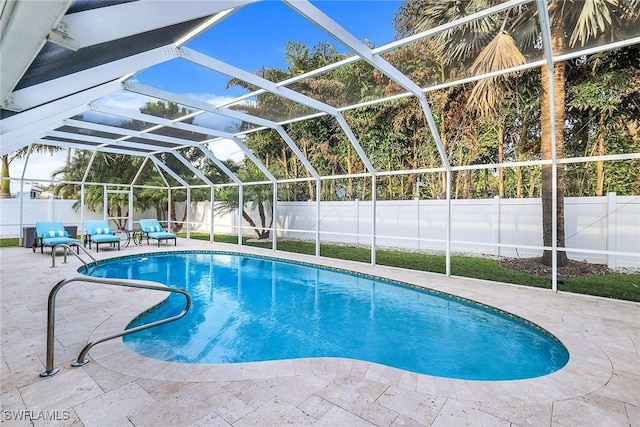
500	160
247	218
557	41
600	163
532	184
263	234
5	186
519	182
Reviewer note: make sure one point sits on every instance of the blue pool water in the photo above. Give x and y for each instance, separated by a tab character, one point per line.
249	309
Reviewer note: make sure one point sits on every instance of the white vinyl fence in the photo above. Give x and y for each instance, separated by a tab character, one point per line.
494	227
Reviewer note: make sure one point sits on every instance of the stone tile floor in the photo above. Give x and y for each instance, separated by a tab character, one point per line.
600	386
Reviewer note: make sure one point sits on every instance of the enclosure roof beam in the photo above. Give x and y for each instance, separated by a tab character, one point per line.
126	132
390	46
154	137
332	28
189	165
60	87
78	30
21	129
205	106
140	169
107	142
187	127
289	141
219	163
168	170
176	124
230	70
24	26
80	146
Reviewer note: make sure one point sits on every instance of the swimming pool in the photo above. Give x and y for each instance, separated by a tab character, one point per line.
248	309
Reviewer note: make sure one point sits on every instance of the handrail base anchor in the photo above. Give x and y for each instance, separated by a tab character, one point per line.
77	363
49	373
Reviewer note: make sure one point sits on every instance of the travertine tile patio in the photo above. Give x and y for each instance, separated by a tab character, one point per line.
600	386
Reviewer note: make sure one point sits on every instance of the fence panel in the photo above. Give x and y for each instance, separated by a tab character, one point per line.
503	227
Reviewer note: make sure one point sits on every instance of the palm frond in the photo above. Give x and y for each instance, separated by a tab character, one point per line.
488	94
501	53
594	17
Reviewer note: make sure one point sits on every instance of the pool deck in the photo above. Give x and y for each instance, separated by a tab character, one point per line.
600	386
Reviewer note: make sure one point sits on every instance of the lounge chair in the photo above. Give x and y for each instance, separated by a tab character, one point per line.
98	231
50	234
154	230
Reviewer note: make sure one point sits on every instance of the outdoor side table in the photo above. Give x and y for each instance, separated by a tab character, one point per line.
134	235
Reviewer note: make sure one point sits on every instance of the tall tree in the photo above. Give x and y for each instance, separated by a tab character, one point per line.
106	168
499	41
604	113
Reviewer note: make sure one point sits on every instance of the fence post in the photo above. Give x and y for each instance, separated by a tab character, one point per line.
51	212
612	260
417	200
497	225
357	221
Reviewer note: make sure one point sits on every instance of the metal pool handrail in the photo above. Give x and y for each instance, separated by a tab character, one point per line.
67	247
81	360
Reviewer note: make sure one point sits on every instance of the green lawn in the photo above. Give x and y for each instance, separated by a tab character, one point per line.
617	285
5	243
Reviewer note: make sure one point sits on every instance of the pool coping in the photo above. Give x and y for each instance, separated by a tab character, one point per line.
602	334
587	370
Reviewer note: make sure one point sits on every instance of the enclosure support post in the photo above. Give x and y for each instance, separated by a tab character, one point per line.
84	231
274	228
169	210
545	24
318	187
130	219
448	232
24	170
612	260
497	224
373	219
213	214
240	206
22	236
417	200
105	203
187	206
357	221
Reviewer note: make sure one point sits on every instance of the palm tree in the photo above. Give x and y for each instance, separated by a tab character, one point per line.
106	168
501	41
5	183
259	196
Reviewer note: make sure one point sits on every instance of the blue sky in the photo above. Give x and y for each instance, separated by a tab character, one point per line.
253	37
256	36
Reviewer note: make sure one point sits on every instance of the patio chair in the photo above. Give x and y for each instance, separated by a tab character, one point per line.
154	230
50	234
98	231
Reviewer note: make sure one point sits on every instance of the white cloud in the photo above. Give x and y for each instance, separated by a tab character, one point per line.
124	100
39	166
226	149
